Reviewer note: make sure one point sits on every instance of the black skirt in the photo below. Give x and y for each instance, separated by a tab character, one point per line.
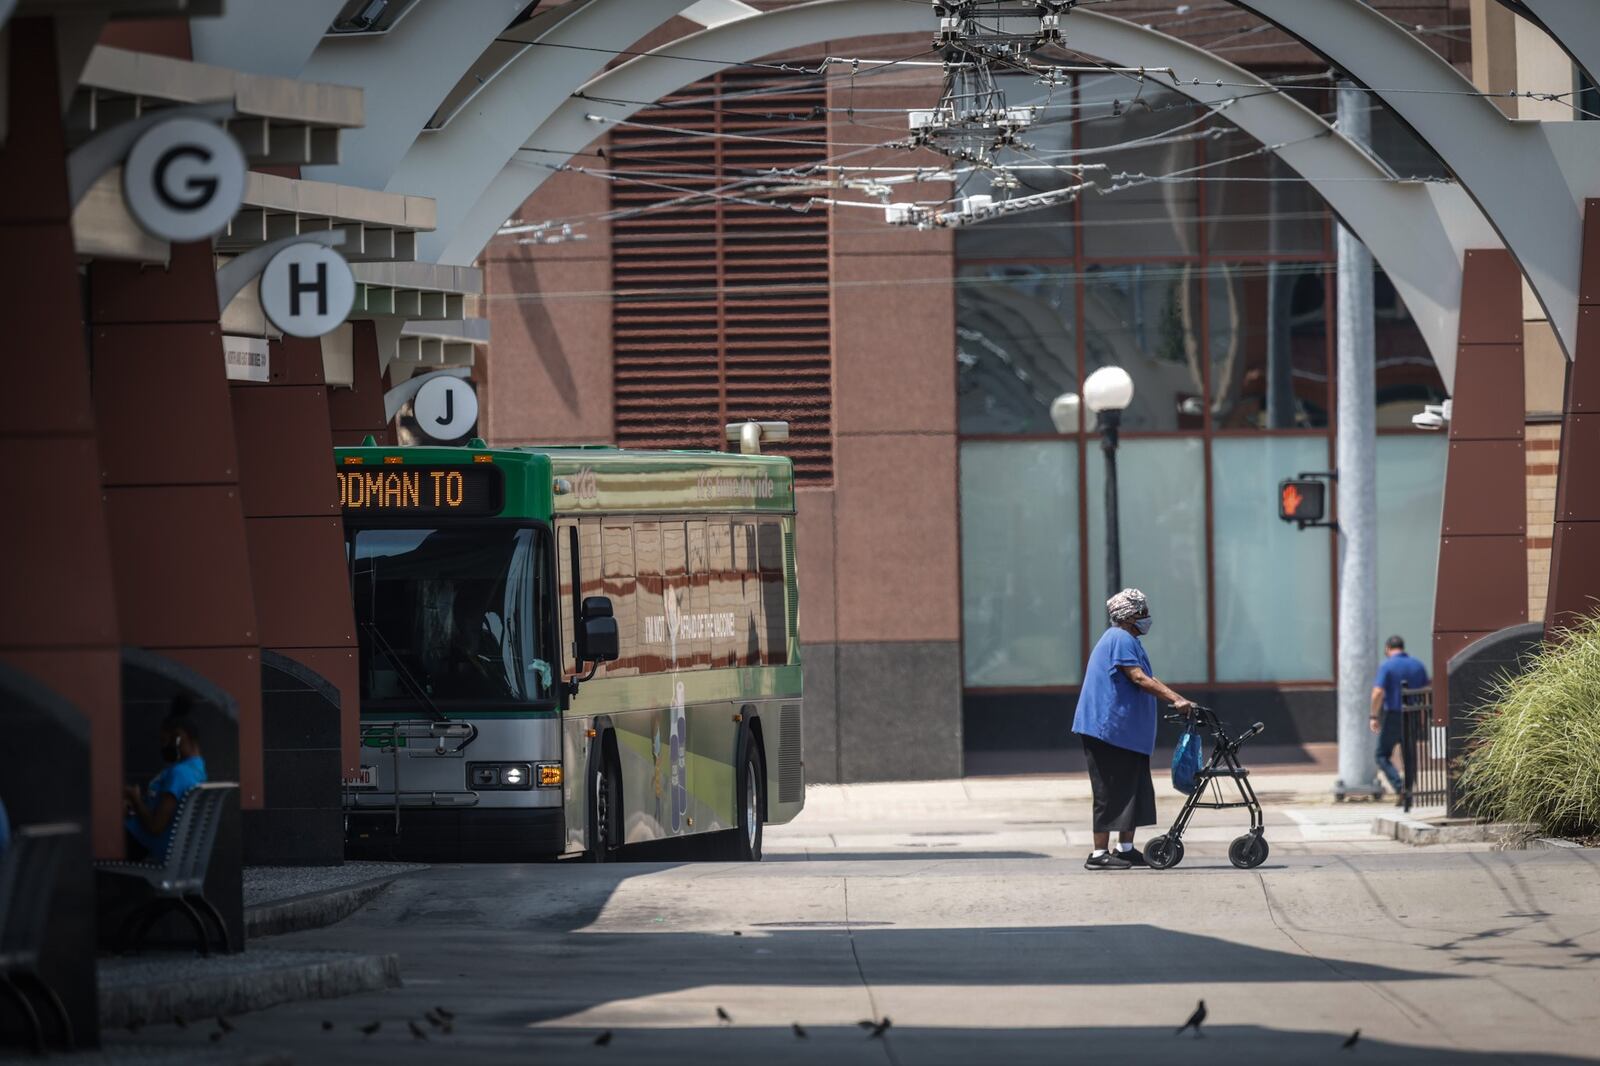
1124	797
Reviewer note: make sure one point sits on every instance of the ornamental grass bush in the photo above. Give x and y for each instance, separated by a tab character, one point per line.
1534	752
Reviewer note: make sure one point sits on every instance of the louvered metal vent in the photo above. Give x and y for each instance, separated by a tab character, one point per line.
722	308
791	776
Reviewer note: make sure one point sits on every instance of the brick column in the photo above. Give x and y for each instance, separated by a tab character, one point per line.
358	411
1483	562
1575	547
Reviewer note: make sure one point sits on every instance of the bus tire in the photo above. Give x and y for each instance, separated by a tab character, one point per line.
744	840
605	810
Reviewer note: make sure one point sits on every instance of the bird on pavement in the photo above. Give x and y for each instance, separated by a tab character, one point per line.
177	1019
879	1029
447	1015
723	1016
433	1019
416	1030
223	1024
1195	1020
603	1039
371	1027
216	1035
800	1034
1350	1041
327	1026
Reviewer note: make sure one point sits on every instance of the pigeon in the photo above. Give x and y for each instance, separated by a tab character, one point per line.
1350	1041
879	1029
434	1020
447	1015
223	1024
800	1034
603	1039
416	1030
177	1019
371	1027
737	933
135	1025
1195	1019
723	1016
216	1035
327	1026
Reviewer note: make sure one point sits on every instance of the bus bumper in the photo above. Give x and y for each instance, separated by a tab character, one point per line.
477	834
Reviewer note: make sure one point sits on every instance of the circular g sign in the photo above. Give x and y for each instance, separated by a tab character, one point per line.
183	179
446	408
307	289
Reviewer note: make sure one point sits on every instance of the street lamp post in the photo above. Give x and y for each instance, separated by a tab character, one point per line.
1108	392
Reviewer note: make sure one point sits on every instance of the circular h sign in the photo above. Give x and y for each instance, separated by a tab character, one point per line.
446	408
183	179
307	289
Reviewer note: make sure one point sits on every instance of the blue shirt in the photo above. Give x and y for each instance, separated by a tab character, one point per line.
178	779
5	830
1110	706
1398	670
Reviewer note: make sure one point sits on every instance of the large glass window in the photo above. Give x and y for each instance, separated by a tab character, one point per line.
1140	133
1274	583
1257	207
452	610
1269	345
1145	318
1161	510
1410	503
1021	621
1016	349
1407	374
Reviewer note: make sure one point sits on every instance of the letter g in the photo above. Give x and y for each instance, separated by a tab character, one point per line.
199	189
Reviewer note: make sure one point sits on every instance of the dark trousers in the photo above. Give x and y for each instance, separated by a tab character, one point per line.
1391	734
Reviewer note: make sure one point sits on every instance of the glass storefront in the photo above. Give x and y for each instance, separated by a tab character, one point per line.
1217	297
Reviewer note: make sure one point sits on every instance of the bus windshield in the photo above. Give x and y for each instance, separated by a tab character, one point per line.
457	609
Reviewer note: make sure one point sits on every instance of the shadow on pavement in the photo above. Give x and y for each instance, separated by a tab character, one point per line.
925	854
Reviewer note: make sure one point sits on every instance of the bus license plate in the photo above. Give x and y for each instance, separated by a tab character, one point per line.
366	777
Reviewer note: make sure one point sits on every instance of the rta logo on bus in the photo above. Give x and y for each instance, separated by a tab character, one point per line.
183	180
446	408
307	289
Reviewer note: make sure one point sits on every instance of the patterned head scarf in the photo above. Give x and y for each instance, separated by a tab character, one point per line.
1126	605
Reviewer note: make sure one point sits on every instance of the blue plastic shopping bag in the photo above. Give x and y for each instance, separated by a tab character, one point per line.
1186	761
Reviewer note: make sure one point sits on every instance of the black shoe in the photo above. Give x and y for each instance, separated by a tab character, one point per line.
1134	856
1109	861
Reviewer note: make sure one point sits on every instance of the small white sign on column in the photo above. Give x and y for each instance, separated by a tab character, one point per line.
248	358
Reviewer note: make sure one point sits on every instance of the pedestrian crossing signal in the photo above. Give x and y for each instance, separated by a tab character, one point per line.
1302	501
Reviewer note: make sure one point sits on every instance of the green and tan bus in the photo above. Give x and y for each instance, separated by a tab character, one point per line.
568	650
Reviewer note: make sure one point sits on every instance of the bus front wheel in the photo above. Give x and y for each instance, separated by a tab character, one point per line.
744	841
605	811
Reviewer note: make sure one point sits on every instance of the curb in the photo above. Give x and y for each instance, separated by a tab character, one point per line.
202	995
314	910
1553	844
1418	833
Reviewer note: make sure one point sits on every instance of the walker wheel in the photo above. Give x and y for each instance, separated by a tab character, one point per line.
1163	852
1249	851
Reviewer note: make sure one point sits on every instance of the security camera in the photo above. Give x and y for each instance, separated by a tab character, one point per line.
1433	416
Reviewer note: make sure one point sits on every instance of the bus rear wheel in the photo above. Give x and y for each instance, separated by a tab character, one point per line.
605	811
744	840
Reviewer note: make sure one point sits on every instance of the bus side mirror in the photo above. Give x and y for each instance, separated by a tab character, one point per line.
600	640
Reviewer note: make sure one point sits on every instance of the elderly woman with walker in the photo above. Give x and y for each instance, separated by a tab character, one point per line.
1116	720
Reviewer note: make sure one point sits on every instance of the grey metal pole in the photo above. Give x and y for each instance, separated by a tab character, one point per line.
1109	422
1355	452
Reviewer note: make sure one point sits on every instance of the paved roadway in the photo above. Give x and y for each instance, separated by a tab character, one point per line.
961	911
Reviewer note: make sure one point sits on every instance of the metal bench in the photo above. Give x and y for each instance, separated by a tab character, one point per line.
179	882
27	887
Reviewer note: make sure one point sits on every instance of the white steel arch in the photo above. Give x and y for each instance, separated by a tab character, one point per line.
275	38
1418	232
1573	24
1529	178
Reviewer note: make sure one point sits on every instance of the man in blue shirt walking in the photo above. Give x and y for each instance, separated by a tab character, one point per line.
1116	720
1399	673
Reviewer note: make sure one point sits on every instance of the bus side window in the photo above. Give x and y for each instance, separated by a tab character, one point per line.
774	609
618	582
723	593
564	584
652	638
748	613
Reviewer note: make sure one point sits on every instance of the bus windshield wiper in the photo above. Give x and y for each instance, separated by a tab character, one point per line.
406	678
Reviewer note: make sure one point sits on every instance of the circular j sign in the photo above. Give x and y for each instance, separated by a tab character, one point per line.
183	179
307	289
445	407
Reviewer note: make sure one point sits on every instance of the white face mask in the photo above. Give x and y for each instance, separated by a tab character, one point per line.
1142	625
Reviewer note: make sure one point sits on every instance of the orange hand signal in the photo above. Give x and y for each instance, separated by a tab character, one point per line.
1291	500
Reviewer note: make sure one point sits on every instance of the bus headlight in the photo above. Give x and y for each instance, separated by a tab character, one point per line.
500	775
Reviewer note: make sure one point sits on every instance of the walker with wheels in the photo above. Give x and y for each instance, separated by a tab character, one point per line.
1247	851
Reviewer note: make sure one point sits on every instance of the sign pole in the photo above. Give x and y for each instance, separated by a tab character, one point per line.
1355	458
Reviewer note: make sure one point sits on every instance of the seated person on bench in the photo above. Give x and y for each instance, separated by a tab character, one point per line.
153	809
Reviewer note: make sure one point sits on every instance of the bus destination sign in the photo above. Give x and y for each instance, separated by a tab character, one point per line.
475	491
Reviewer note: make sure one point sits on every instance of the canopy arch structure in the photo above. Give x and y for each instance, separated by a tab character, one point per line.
1529	178
1418	231
1572	24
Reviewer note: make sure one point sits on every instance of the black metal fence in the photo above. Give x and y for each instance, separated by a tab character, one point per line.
1425	748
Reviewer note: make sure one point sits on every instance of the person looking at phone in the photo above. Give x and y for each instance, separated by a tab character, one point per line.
152	810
